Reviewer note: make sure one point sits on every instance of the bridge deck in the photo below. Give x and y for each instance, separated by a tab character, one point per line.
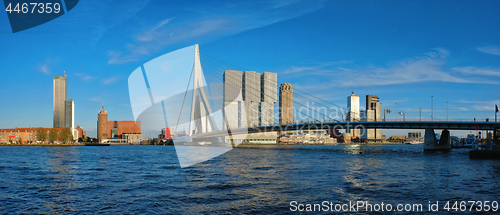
450	125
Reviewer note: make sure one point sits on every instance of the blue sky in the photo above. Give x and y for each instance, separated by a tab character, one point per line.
403	51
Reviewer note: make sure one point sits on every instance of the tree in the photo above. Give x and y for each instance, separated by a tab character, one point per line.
10	140
65	134
41	134
20	141
53	135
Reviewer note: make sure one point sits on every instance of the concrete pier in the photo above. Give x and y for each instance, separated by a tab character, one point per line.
432	144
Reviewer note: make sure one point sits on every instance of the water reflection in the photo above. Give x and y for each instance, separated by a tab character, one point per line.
61	166
148	179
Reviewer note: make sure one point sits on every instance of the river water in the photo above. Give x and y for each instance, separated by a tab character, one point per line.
264	179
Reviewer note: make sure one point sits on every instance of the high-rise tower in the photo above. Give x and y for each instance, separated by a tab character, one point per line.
252	97
373	104
60	89
353	113
269	86
69	113
286	104
102	125
233	101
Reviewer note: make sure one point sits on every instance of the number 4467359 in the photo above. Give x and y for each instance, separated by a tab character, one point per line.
34	8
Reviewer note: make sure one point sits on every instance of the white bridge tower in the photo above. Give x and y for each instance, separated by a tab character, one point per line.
202	120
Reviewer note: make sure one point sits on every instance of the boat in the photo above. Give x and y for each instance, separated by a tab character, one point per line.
470	141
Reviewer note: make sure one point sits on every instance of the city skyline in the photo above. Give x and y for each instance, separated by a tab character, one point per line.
403	52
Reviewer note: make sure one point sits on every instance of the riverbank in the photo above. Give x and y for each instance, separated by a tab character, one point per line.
42	144
242	144
57	145
284	144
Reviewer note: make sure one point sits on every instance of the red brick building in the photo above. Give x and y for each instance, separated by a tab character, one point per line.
81	132
26	134
115	129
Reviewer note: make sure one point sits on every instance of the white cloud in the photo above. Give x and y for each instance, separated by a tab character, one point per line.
427	68
84	77
438	53
484	107
420	69
110	80
151	34
116	58
44	69
481	105
316	70
477	71
96	99
477	101
489	50
92	20
194	24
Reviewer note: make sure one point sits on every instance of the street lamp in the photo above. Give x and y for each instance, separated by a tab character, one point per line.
404	115
386	111
396	111
446	110
432	108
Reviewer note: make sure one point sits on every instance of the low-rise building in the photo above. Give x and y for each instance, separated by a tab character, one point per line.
107	129
308	137
26	135
81	132
399	138
253	138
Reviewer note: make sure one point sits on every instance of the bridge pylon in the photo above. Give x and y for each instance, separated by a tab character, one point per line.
202	120
432	144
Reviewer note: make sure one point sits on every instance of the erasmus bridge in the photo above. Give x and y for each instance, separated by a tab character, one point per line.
175	90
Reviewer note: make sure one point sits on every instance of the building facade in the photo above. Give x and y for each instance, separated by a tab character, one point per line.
115	129
233	99
60	89
249	98
102	125
81	132
414	135
367	116
252	97
286	104
24	135
69	113
269	87
353	114
373	113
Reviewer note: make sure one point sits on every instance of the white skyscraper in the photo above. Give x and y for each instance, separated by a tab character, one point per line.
353	113
269	96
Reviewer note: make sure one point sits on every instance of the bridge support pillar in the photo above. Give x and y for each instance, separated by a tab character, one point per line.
432	144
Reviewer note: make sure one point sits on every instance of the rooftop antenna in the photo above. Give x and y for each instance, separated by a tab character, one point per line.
64	72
